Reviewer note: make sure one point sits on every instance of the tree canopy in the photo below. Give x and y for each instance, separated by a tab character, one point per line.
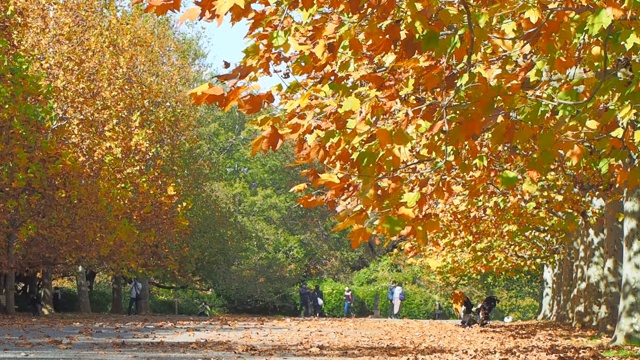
431	117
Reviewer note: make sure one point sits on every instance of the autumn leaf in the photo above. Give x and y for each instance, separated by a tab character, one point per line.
508	178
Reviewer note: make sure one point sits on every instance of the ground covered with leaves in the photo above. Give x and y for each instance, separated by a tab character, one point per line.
242	337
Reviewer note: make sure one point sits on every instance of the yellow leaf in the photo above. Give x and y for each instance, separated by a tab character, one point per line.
329	178
224	5
351	103
171	190
592	124
406	212
191	14
299	188
617	133
529	186
533	15
626	113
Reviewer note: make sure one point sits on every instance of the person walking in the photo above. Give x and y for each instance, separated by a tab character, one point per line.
305	300
348	301
438	310
398	298
57	299
390	297
318	300
134	298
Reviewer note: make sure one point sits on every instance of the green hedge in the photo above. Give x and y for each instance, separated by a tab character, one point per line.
161	301
419	304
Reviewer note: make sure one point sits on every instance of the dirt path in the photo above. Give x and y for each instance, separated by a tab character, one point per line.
236	337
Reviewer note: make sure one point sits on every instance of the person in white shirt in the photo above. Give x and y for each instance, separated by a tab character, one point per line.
398	298
136	290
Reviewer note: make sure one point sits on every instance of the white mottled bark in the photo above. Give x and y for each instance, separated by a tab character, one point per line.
628	325
546	304
612	267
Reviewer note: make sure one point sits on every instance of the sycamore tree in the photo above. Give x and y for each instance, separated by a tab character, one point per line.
115	204
29	159
415	110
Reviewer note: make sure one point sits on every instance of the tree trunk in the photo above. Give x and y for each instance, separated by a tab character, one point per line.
578	281
145	306
116	295
10	292
594	265
10	284
612	271
547	298
628	326
84	303
564	285
47	292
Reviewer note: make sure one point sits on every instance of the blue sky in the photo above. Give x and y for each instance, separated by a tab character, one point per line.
224	43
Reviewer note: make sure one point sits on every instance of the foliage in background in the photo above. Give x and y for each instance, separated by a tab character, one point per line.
248	239
162	301
518	294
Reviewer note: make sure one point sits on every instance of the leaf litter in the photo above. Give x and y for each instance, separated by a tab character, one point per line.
276	337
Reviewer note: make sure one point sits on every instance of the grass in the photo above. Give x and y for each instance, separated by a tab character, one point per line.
622	353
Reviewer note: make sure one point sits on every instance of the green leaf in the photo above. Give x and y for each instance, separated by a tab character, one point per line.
393	225
604	166
508	178
631	40
600	20
430	40
278	38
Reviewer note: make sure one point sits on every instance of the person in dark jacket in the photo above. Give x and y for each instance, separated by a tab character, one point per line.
390	298
317	299
36	304
305	300
57	299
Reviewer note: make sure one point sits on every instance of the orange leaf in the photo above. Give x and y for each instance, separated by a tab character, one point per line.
310	201
273	140
384	137
252	103
358	236
162	7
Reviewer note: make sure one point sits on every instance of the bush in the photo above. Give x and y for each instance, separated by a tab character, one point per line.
419	303
161	301
164	301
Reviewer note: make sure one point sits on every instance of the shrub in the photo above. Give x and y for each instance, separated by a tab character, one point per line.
163	301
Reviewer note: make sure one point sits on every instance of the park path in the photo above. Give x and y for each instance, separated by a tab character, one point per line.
243	337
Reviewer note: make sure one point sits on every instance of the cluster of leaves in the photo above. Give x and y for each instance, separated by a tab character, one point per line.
463	125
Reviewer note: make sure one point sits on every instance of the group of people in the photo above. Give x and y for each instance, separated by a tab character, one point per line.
314	300
311	302
395	295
